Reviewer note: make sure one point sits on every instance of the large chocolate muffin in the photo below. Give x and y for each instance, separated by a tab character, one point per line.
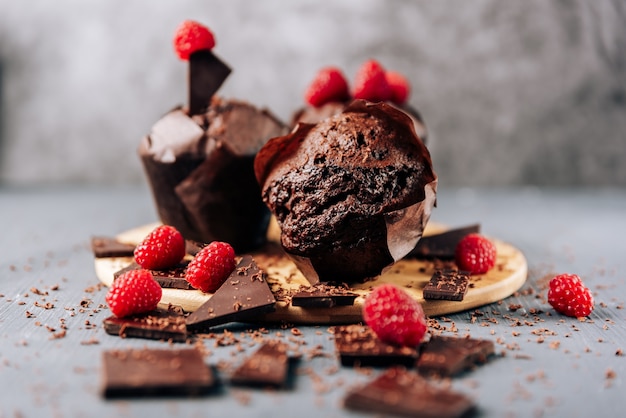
200	169
351	194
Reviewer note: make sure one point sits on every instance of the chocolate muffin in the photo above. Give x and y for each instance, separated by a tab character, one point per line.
351	194
200	169
199	159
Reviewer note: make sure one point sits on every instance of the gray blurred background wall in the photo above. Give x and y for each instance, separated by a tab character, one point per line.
516	92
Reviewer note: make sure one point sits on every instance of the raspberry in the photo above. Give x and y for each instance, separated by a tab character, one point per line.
569	296
211	266
329	85
394	316
190	37
476	254
370	83
133	292
400	87
162	248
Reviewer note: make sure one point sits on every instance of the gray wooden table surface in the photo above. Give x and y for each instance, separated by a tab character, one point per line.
51	311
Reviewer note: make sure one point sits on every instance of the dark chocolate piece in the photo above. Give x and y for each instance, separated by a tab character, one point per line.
268	366
160	324
193	247
172	278
400	392
441	246
447	285
206	74
244	296
358	345
155	372
323	295
104	247
448	356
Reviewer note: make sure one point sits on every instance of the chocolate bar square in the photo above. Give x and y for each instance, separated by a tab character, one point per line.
155	372
358	345
447	285
448	356
159	324
104	247
269	366
400	392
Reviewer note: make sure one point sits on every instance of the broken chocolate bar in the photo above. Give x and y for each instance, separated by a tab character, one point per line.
172	278
268	366
155	372
104	247
323	296
193	247
400	392
159	324
441	246
448	356
243	297
206	74
447	285
358	345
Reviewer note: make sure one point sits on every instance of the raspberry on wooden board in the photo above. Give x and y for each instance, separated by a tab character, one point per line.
162	248
133	292
475	253
211	266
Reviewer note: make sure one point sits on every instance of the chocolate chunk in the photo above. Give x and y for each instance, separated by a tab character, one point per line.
400	392
172	278
104	247
447	356
269	366
243	297
160	324
441	245
206	75
323	295
359	345
155	372
447	285
193	247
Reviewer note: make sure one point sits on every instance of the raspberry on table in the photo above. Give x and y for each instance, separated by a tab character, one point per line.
569	296
475	253
191	37
329	85
370	83
399	86
394	316
162	248
133	292
210	268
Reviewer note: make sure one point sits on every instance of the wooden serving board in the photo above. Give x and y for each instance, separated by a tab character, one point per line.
503	280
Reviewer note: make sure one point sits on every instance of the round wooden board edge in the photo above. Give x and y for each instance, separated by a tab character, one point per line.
190	300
